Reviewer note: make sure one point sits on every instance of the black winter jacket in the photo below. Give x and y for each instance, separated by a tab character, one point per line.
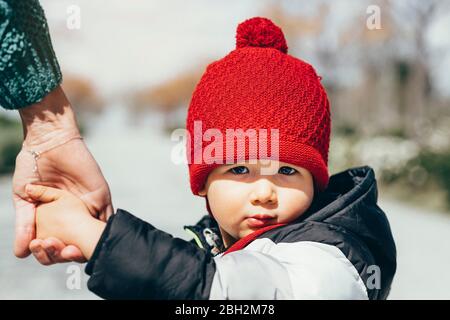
341	248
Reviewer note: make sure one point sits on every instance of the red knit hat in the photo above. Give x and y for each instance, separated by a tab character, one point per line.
259	86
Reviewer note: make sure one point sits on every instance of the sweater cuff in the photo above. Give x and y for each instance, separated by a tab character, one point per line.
28	66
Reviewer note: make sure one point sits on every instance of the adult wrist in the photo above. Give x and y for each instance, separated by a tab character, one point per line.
49	122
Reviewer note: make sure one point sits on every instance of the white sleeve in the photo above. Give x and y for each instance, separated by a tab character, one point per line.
299	270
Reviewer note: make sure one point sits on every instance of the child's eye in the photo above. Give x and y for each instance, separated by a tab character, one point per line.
239	170
287	170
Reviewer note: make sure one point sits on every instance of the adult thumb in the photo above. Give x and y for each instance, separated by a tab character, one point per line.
25	226
42	193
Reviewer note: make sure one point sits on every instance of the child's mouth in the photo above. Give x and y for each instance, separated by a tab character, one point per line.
259	221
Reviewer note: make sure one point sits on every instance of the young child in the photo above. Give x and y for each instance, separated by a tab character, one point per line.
294	233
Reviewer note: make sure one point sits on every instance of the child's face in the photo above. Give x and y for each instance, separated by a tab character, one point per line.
238	192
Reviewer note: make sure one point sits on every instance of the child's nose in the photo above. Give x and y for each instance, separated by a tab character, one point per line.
263	192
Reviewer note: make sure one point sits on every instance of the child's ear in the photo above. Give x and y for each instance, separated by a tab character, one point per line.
203	192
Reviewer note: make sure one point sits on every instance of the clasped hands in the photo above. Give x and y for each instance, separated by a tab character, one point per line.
66	166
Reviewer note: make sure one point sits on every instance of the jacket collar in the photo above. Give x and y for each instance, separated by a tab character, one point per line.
206	234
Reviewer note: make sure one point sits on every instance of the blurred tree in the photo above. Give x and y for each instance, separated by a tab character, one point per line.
82	94
295	26
415	86
168	97
396	92
11	136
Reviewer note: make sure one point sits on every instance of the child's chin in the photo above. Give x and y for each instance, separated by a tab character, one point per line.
247	231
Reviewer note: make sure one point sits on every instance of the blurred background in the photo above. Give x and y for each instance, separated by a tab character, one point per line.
130	68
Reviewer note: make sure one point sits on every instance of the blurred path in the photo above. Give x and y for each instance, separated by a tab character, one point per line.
136	162
423	252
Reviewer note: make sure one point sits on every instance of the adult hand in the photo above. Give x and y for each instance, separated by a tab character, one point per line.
65	162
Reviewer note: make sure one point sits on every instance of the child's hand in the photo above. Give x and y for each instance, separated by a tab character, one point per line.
62	215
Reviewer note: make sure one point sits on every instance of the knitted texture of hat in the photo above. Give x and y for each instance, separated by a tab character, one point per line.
29	69
259	86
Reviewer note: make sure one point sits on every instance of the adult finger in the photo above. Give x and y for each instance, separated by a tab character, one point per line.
25	226
106	213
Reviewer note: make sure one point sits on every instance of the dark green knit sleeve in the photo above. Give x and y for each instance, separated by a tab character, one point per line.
29	69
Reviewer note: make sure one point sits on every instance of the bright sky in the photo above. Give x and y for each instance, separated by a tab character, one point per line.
125	45
128	44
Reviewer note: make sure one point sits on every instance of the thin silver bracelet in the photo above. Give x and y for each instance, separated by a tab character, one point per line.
36	154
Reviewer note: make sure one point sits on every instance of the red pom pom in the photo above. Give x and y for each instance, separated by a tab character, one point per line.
260	32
